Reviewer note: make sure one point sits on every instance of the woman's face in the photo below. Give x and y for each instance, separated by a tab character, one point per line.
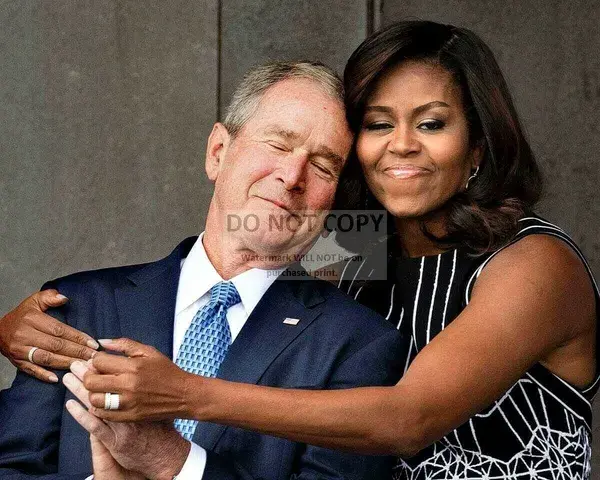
414	141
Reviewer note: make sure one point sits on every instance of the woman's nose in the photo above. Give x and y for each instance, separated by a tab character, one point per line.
404	142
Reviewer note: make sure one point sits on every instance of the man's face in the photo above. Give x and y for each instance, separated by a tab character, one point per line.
276	180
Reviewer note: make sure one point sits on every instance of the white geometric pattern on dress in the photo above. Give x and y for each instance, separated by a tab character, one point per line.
549	455
206	342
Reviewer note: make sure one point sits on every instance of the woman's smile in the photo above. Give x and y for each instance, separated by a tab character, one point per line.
406	171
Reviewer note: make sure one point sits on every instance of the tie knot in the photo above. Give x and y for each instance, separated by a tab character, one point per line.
224	293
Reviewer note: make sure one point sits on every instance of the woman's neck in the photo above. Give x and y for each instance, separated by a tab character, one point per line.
411	239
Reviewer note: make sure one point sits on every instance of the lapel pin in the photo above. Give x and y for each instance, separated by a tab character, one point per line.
291	321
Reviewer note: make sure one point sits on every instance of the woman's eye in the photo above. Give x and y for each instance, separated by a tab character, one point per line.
377	126
431	125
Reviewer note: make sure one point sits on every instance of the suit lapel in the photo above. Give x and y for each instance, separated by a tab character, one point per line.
263	337
147	305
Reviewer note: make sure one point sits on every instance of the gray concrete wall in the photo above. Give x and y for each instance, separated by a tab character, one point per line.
105	109
106	105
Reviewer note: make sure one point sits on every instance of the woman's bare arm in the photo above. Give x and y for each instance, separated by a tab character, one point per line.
533	300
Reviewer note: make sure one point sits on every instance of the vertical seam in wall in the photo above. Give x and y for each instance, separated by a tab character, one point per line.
219	57
374	13
369	26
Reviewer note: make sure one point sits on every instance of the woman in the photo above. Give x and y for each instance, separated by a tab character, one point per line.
499	305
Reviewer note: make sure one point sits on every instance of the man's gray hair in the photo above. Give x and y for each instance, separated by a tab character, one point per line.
259	79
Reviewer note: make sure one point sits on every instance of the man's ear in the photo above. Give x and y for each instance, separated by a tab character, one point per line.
218	143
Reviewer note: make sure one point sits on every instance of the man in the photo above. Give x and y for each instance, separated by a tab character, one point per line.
276	159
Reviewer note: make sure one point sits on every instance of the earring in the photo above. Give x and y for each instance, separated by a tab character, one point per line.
472	177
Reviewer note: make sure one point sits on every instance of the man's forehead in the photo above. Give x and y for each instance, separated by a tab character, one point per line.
304	90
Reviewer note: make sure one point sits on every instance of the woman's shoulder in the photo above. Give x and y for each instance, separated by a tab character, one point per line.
336	272
543	266
539	248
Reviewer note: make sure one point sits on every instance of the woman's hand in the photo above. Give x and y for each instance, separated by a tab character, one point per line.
150	385
58	345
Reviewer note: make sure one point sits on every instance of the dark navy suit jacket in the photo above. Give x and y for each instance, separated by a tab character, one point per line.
337	344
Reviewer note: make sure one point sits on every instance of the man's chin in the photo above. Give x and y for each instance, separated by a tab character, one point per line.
270	251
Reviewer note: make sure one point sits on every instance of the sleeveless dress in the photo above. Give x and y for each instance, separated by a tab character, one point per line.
539	429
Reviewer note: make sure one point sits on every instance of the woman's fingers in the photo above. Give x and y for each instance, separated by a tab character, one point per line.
52	327
44	358
46	299
36	371
61	346
79	383
109	363
128	347
57	344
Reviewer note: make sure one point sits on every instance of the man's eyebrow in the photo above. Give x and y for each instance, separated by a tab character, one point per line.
416	111
329	154
282	132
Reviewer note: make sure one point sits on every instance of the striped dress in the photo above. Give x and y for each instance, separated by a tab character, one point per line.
539	429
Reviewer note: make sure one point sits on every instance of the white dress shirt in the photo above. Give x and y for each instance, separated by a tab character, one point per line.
196	279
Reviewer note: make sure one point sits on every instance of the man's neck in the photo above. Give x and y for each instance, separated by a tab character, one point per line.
230	258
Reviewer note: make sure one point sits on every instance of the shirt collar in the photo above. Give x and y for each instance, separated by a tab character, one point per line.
198	276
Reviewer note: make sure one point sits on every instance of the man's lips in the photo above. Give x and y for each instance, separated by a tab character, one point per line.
405	171
278	204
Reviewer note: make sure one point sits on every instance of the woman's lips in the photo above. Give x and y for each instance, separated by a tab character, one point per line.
405	171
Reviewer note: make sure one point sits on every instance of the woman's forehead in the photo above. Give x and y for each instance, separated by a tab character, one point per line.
415	83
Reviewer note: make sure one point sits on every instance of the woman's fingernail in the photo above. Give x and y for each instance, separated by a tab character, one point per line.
105	341
61	297
53	378
93	344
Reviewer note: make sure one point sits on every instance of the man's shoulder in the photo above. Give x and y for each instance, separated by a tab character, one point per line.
343	311
122	275
109	276
340	302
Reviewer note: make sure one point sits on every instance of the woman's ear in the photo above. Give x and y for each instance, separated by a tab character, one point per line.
477	152
218	142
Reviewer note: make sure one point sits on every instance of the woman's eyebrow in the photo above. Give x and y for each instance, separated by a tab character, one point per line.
427	106
378	108
416	110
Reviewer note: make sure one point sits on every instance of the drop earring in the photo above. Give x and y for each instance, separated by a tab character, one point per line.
472	177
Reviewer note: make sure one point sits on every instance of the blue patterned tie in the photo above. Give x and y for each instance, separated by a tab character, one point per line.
206	342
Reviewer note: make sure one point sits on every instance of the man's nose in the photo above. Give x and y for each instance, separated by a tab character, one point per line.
404	141
292	172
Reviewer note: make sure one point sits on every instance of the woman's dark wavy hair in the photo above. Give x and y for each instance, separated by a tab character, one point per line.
509	183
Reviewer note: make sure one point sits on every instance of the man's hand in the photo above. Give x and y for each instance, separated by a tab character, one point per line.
154	449
106	467
150	385
58	344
